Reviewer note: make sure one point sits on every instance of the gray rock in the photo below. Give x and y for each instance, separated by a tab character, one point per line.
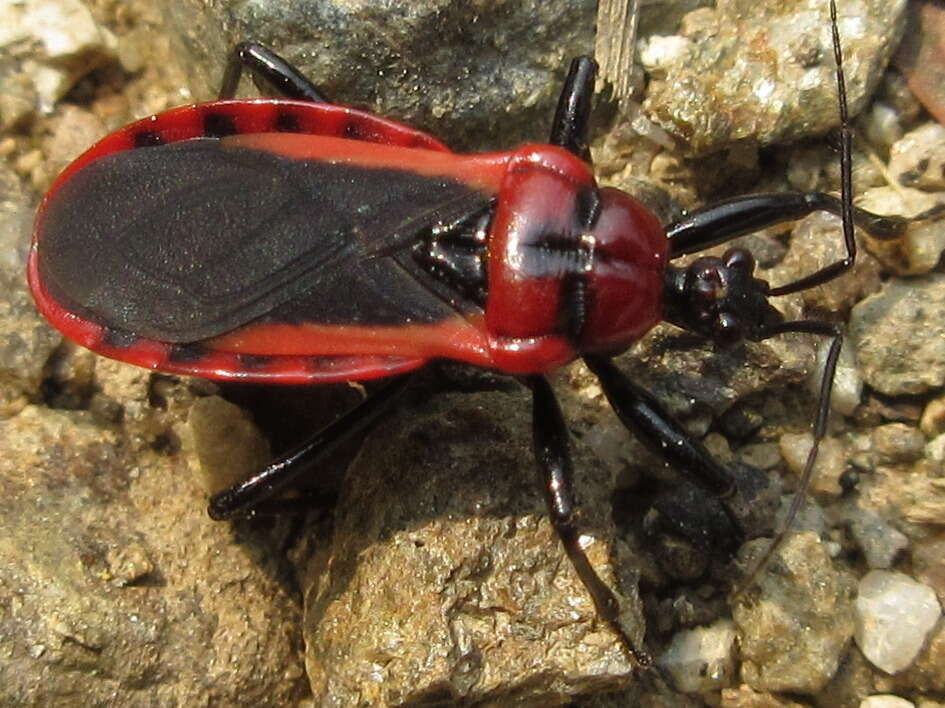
879	541
715	86
452	68
795	626
899	335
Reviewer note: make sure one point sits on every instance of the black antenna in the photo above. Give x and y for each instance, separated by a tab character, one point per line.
826	329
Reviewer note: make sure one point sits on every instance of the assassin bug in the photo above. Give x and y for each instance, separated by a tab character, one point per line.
296	241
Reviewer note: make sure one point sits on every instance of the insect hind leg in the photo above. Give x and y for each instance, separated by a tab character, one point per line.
250	494
267	68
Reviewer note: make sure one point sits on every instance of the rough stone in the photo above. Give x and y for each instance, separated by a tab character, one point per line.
71	131
919	250
932	422
716	86
458	590
817	241
879	541
452	68
747	697
70	43
928	563
854	681
830	464
918	159
894	615
116	588
928	672
229	447
26	342
899	335
796	623
896	443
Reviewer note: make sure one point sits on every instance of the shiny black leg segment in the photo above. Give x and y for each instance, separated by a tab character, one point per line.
642	414
736	217
550	437
570	126
277	475
270	68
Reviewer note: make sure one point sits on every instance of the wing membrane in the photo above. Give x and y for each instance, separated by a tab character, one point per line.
190	240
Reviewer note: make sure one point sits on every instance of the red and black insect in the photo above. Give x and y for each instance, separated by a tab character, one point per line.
297	241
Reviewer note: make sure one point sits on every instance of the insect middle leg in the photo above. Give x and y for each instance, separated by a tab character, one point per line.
550	438
642	414
269	68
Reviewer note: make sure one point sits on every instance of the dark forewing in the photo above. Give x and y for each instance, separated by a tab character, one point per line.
190	240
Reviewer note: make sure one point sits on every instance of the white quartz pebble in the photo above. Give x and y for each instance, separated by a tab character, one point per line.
894	615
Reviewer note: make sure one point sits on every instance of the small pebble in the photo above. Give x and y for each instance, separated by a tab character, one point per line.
701	659
933	418
886	700
894	615
928	563
831	461
897	443
879	542
918	159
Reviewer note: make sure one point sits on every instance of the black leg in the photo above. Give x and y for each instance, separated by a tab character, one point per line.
552	453
282	472
724	221
659	431
268	66
569	129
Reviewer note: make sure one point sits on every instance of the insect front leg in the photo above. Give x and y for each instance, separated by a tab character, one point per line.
718	223
268	67
550	439
640	412
280	473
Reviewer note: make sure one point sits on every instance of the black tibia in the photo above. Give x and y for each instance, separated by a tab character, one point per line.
641	413
550	438
280	473
724	221
570	126
270	69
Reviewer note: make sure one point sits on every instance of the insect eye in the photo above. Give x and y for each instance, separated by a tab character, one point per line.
739	259
728	329
705	283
